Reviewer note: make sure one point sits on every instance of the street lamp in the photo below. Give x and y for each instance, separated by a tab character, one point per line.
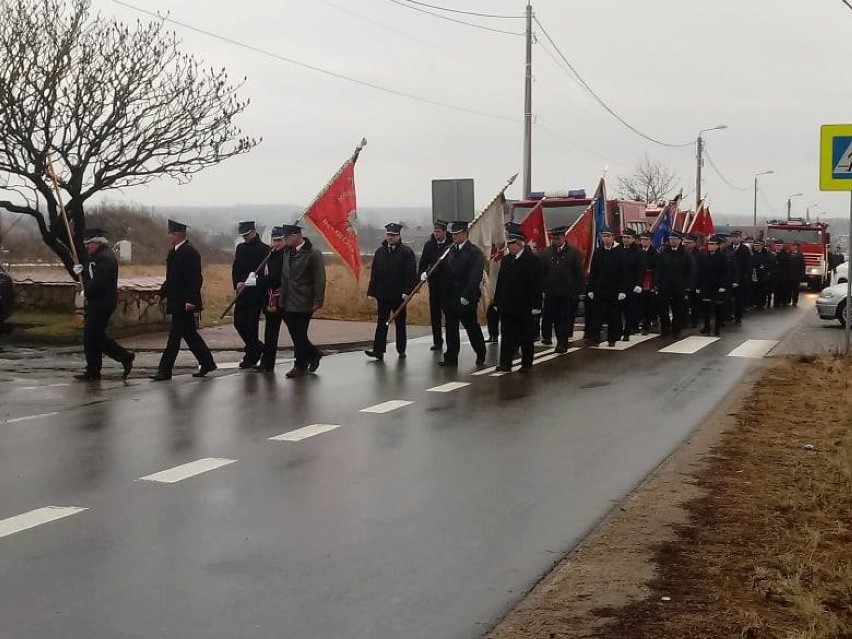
789	204
700	154
808	210
757	175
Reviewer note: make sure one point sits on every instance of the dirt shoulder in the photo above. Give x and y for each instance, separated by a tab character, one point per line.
751	539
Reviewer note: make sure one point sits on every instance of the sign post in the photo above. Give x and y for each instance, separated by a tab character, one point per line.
835	174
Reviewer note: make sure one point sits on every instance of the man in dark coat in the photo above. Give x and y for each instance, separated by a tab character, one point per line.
674	277
100	287
182	292
741	275
434	248
712	284
607	290
562	267
302	294
269	283
762	263
392	277
780	285
633	273
693	301
517	299
795	274
465	267
650	304
248	257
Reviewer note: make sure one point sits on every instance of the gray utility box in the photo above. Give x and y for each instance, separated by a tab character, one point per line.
452	200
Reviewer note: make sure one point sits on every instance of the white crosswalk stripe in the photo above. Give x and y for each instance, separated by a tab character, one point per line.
303	433
185	471
753	348
35	518
689	345
491	369
623	346
447	388
386	407
539	360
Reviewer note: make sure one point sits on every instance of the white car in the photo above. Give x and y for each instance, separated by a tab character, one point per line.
841	274
831	304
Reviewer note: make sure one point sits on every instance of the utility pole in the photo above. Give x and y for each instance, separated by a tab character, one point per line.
700	152
528	107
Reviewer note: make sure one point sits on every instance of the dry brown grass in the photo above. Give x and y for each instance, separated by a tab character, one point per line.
768	551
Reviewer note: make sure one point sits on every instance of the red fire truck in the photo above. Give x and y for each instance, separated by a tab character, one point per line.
813	239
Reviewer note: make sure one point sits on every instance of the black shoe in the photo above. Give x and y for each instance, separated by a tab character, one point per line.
644	331
159	376
296	372
379	357
611	344
437	347
739	321
402	356
480	359
717	332
503	369
448	363
547	342
263	368
128	365
88	377
626	337
705	330
203	370
491	340
561	350
526	367
313	365
676	334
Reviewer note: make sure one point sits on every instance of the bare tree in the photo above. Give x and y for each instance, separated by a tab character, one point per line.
115	105
651	182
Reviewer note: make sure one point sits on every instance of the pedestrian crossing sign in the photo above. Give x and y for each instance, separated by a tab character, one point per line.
835	172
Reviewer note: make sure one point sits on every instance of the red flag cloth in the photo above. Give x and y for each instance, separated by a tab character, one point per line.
532	227
333	216
581	236
702	223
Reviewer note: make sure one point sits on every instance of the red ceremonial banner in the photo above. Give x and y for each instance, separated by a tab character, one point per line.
533	228
702	223
333	216
581	236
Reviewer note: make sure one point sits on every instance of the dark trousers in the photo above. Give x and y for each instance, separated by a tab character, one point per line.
632	313
693	308
271	333
558	316
650	309
97	344
740	296
793	292
517	331
380	340
436	316
675	303
492	319
466	316
604	308
184	328
716	310
303	349
247	322
759	294
781	293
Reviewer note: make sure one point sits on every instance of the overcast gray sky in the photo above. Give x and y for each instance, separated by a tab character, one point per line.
772	70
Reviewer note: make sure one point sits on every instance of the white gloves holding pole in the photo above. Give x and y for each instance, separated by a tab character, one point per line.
251	280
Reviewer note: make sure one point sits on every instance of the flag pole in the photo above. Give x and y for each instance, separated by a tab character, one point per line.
52	175
351	160
440	259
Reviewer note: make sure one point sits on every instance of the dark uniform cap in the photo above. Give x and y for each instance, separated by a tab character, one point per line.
290	229
393	228
457	226
690	237
759	241
513	227
558	230
736	233
606	231
177	227
676	234
629	233
647	234
515	236
441	224
245	227
714	239
91	234
277	233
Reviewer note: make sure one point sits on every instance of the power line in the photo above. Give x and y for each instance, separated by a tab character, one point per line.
722	177
449	19
600	100
466	13
334	74
847	3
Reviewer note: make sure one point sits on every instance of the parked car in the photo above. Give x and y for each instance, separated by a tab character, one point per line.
831	304
841	273
7	295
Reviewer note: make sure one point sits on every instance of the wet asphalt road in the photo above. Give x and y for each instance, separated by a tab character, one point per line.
426	521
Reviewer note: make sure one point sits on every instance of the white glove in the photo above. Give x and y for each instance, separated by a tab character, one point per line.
404	297
698	291
424	276
622	297
464	301
590	295
536	311
736	285
78	269
637	289
721	290
251	280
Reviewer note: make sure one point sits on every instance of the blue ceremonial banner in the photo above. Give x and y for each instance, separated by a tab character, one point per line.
664	228
599	210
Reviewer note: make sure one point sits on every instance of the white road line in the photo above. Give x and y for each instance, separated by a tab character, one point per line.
35	518
689	345
32	388
753	348
27	418
539	360
448	388
623	346
491	369
303	433
386	407
185	471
